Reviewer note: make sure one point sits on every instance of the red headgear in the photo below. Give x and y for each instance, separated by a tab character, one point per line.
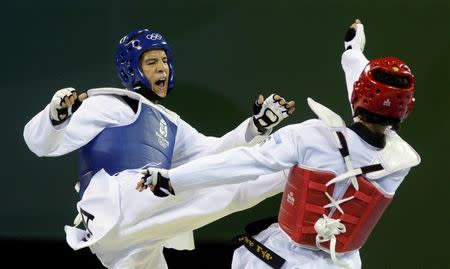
385	87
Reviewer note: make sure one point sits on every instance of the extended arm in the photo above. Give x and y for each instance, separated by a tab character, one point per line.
278	152
353	60
190	144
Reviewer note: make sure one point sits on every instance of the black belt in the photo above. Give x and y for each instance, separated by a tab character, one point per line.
259	250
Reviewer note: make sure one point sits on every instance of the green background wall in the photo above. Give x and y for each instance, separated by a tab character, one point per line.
226	53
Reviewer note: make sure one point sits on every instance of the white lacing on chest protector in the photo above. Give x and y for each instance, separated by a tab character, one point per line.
328	228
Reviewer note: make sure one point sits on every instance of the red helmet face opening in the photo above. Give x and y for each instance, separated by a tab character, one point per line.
385	87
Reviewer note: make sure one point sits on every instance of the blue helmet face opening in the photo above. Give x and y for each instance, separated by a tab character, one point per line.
128	55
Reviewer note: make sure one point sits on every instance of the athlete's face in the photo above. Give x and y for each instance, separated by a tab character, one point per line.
156	70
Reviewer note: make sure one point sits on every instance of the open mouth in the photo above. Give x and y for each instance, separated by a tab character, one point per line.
161	82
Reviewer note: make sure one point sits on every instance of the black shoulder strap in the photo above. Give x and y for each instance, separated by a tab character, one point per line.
345	153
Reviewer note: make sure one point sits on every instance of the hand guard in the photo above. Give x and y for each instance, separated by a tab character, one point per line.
269	114
159	179
355	37
58	113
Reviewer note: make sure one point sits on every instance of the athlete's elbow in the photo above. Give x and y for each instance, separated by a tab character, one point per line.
35	148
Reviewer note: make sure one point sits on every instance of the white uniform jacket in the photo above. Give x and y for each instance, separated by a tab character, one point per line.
130	228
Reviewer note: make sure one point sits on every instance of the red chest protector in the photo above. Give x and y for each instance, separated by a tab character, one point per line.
304	203
313	218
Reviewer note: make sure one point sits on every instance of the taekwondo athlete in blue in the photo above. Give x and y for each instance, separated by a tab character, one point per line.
117	132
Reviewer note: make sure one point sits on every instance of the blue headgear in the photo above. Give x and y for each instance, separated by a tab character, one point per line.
128	55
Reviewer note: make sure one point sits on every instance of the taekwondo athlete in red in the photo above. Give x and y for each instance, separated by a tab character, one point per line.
120	131
341	178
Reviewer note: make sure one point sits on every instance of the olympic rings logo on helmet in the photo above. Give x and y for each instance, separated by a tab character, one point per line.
154	36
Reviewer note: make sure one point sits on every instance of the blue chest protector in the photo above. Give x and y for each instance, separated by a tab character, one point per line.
148	140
